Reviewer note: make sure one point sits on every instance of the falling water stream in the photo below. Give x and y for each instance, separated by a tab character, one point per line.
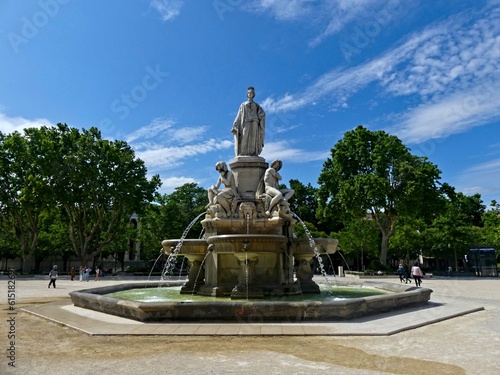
171	260
246	273
313	246
154	264
199	271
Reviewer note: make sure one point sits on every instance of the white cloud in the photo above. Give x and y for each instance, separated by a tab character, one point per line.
168	9
284	151
164	131
283	10
156	127
451	115
171	183
328	16
341	13
11	124
481	178
452	68
170	157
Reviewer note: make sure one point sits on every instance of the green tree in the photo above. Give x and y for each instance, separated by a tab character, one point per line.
491	230
304	203
409	238
24	190
457	227
99	184
169	215
374	173
359	239
96	183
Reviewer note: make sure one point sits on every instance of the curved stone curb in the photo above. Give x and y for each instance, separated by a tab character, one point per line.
245	311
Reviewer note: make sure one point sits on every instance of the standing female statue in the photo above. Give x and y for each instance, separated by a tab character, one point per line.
249	127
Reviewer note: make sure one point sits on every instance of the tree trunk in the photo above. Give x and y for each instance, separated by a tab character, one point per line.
26	268
383	248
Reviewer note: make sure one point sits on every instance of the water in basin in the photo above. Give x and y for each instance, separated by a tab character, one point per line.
172	294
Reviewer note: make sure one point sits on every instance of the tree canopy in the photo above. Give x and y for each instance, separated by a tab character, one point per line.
374	174
96	183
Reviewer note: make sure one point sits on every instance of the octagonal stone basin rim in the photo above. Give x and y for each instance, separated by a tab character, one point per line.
237	310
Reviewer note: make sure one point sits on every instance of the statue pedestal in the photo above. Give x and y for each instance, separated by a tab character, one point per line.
248	172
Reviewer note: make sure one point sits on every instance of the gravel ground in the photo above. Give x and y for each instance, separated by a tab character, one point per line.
465	345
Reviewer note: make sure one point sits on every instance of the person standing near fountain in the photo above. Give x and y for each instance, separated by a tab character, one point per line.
226	196
53	276
271	182
417	274
249	127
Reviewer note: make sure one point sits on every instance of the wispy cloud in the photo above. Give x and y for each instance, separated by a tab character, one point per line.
284	150
164	157
169	184
481	178
452	68
165	130
168	9
341	13
12	124
156	127
329	17
452	115
283	10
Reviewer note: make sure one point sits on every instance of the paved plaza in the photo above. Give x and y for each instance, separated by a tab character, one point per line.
456	333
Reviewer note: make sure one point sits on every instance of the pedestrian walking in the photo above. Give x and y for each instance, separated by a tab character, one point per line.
53	276
401	273
87	273
407	274
417	274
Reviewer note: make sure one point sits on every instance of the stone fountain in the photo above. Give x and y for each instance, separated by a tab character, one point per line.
249	251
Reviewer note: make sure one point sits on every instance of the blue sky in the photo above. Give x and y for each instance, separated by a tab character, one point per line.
168	77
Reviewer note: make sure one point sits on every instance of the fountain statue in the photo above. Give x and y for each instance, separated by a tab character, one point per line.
249	253
249	249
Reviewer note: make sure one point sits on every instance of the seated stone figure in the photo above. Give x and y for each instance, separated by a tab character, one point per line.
271	183
228	197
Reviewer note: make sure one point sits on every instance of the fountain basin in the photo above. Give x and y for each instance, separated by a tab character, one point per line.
189	246
252	311
323	245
